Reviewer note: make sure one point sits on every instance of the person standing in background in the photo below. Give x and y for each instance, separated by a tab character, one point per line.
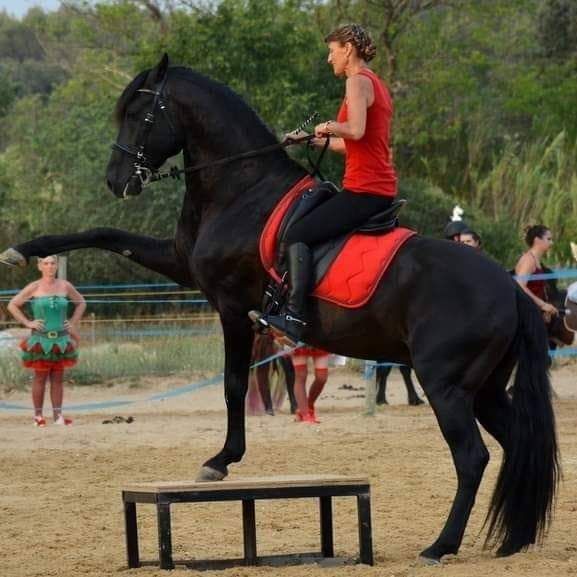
53	343
306	403
539	240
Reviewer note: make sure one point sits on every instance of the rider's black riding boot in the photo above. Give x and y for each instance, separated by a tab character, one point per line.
291	320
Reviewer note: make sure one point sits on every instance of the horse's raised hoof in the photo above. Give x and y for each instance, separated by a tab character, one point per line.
208	474
13	258
416	402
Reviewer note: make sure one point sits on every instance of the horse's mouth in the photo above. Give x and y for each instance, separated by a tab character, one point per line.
132	187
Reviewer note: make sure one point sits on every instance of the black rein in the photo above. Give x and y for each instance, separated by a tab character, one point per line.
147	174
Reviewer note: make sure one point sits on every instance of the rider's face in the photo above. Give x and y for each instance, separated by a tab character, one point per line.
339	56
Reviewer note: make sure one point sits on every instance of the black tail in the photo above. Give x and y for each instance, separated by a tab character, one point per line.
522	504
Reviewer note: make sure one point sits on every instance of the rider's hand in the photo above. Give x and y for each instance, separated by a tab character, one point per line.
294	136
35	325
322	130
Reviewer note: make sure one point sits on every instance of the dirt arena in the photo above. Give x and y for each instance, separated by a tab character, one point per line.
61	511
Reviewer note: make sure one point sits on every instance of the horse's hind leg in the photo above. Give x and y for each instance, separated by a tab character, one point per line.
453	408
493	405
412	396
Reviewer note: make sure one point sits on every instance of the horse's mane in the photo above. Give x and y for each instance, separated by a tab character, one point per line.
235	104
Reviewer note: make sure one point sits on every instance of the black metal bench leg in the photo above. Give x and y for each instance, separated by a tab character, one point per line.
326	509
164	536
131	535
365	531
249	531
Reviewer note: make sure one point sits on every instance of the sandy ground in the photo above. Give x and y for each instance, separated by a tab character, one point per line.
60	488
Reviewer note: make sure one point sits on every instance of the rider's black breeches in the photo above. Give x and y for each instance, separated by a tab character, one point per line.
342	213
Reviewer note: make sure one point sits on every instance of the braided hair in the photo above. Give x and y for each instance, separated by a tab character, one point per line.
358	37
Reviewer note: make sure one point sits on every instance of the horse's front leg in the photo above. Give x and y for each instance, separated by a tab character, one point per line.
238	338
152	253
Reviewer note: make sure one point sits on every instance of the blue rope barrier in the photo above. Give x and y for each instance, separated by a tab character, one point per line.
4	406
557	274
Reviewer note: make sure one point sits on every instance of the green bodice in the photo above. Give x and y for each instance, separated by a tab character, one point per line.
53	310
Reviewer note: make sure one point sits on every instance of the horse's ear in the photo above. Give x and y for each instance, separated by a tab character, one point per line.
158	73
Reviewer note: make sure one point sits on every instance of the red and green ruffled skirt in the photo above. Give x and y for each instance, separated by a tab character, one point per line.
54	360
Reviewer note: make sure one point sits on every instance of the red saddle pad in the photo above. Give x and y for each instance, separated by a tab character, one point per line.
355	273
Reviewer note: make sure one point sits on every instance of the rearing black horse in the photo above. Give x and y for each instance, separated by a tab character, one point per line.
452	314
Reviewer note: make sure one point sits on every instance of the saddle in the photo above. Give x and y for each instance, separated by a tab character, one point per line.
347	268
325	253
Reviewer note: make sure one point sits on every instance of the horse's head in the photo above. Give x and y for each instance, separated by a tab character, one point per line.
148	134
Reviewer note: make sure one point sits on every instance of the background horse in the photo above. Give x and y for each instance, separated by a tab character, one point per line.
452	314
382	373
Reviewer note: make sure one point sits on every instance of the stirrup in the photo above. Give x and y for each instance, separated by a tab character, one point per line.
262	324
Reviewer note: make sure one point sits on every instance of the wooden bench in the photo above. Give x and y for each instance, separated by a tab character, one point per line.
323	487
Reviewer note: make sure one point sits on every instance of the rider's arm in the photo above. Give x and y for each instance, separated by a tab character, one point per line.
359	96
526	267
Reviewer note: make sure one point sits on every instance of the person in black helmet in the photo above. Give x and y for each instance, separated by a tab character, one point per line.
454	229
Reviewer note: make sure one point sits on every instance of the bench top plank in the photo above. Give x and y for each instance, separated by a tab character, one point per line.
249	483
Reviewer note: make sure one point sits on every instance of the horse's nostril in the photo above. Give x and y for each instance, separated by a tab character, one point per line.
109	184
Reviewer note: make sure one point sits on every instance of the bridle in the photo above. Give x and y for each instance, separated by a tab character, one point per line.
146	173
143	169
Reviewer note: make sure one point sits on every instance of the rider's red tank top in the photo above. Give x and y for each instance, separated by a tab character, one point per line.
368	163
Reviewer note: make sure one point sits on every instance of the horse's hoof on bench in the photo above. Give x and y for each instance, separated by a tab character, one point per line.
13	258
207	474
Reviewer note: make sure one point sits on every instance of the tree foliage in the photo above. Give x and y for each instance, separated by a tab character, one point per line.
480	97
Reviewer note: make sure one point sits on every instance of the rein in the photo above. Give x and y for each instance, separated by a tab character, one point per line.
146	174
175	172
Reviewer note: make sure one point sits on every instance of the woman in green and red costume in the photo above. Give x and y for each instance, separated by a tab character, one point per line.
52	346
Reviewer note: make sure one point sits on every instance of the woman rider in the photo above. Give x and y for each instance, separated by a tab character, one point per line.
362	133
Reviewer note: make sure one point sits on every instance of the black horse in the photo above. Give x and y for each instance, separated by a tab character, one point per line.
452	314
